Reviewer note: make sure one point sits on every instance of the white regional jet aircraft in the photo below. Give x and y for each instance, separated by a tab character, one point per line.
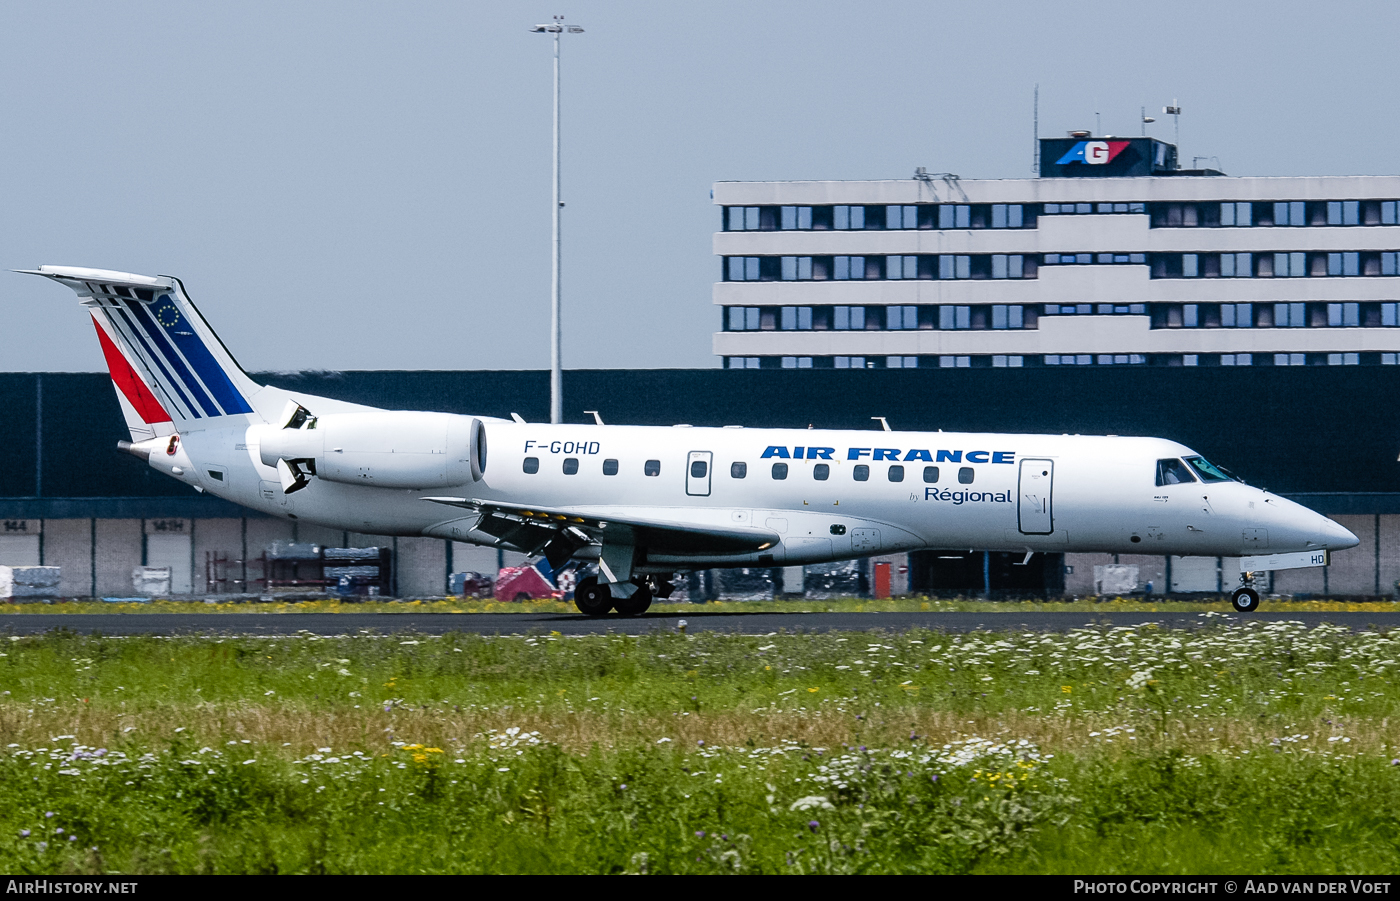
645	502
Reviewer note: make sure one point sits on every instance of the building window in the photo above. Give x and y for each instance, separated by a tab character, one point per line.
1237	315
1190	360
741	218
845	318
742	362
954	362
1290	359
797	362
1343	212
901	267
902	317
1290	315
1236	214
1069	359
1236	265
954	215
796	269
1343	359
1290	213
751	269
1344	315
1236	359
901	362
1346	263
1390	314
1069	209
849	362
796	319
1008	316
848	268
1005	361
954	317
848	217
1007	215
1008	265
901	217
954	266
1290	265
796	217
1389	359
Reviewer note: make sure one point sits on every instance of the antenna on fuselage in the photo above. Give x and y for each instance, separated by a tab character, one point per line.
597	420
884	423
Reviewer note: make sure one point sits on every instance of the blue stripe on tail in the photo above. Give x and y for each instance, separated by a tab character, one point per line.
157	337
192	346
154	358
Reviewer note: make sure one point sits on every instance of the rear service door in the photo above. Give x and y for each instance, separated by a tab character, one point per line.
697	473
1035	514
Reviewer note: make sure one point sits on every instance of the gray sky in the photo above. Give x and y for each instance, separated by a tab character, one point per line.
366	186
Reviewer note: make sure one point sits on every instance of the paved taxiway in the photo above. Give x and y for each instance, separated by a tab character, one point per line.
657	619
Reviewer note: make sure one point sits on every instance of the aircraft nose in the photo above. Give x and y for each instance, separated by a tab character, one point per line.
1336	537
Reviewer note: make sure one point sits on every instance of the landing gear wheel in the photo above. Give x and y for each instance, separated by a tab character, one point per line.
638	603
592	598
1245	599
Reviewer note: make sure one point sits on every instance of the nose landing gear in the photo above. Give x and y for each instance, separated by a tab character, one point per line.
1245	598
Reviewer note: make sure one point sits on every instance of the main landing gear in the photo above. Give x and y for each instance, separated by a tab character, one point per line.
1245	598
594	598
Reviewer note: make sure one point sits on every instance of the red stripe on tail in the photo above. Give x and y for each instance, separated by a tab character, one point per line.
128	382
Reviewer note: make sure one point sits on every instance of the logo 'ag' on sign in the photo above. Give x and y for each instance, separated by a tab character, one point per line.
1093	153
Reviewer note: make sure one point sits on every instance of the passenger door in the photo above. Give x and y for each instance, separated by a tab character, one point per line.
1034	510
697	473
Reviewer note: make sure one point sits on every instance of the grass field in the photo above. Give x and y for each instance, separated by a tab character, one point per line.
1251	748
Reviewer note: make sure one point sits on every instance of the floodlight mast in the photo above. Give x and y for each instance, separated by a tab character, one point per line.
556	374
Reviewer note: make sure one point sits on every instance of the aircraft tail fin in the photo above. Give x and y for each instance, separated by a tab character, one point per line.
168	366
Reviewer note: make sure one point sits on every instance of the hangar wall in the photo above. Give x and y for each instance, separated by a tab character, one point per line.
1327	437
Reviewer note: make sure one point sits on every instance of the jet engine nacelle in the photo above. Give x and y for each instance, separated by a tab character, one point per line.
382	449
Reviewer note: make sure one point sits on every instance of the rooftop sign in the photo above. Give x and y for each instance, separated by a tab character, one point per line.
1090	157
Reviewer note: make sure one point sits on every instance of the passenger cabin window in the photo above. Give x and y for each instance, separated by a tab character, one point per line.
570	466
652	468
609	467
965	475
931	474
821	472
1173	472
861	473
532	465
1208	471
698	469
738	470
780	471
896	473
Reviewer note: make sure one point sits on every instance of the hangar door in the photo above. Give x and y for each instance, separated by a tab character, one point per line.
1034	510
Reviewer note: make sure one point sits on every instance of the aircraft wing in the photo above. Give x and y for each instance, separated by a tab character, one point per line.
536	528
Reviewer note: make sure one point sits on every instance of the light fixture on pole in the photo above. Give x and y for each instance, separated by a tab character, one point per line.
556	374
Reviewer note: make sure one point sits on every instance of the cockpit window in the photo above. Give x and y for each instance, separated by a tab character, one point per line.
1173	472
1208	471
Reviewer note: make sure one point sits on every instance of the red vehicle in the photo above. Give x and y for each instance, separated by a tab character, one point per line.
525	583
